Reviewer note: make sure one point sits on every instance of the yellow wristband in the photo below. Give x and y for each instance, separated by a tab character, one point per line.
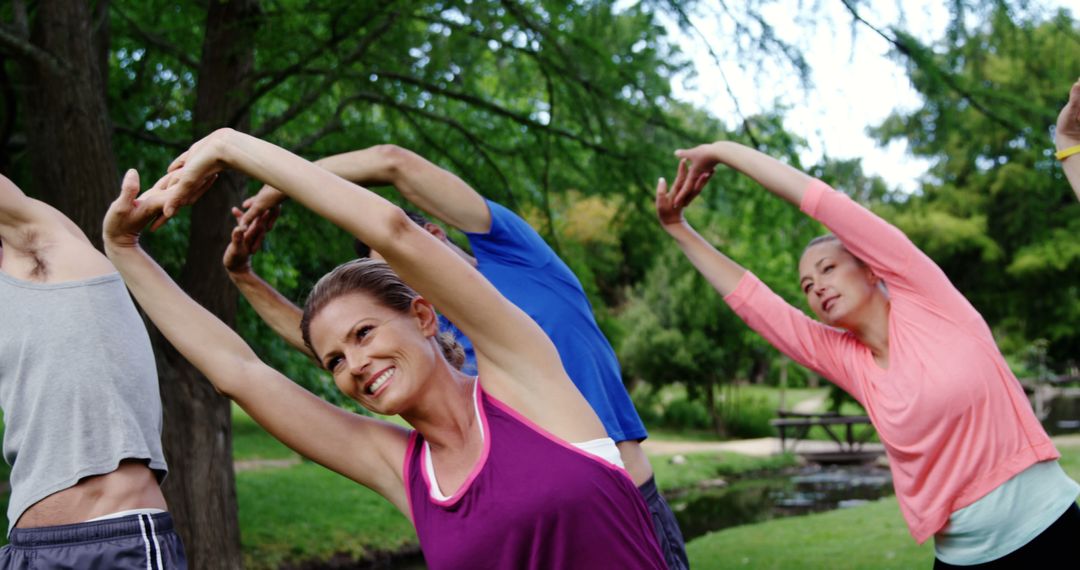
1067	152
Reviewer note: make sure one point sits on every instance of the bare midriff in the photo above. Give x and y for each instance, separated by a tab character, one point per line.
132	486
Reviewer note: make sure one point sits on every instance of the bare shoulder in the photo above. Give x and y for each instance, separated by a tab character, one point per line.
42	245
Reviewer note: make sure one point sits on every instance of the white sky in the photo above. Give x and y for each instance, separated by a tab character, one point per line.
850	89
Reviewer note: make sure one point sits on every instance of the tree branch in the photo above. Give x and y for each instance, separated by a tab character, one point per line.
280	76
155	41
461	167
21	48
145	136
272	124
475	141
496	109
570	75
913	53
686	22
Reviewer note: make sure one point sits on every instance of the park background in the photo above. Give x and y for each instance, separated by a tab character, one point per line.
566	112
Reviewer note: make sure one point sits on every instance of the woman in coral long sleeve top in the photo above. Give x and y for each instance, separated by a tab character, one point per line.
971	464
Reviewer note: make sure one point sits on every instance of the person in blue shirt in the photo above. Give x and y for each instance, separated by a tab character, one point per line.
514	258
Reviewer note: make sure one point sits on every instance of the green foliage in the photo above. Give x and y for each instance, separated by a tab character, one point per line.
996	212
543	106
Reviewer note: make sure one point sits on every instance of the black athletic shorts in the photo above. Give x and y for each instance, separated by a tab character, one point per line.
132	542
667	528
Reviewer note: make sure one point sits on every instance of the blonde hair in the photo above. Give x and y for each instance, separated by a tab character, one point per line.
377	279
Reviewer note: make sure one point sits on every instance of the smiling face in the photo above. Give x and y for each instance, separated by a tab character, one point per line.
837	286
378	356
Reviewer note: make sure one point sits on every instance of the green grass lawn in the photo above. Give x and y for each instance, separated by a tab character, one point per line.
306	512
250	441
869	536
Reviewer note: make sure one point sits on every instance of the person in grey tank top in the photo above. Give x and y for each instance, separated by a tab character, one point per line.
82	413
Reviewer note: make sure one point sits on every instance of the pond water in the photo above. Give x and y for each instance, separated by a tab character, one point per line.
809	489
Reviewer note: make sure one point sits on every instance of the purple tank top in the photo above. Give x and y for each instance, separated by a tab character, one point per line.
531	501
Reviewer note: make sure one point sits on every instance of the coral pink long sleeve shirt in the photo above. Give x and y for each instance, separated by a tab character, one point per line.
953	418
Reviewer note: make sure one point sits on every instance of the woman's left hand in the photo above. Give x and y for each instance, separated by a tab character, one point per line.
1067	130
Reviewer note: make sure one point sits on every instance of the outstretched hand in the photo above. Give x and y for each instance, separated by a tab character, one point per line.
690	181
130	213
670	202
268	198
192	173
246	239
1067	130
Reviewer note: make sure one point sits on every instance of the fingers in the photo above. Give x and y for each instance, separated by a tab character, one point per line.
178	162
702	180
272	216
163	182
661	197
684	183
254	233
159	220
236	238
129	188
254	237
249	216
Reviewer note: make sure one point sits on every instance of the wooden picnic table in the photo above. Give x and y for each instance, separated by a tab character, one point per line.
799	424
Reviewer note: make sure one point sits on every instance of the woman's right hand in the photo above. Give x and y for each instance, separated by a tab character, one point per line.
702	161
193	173
247	239
266	199
687	185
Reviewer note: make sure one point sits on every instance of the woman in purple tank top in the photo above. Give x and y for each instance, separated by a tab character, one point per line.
488	474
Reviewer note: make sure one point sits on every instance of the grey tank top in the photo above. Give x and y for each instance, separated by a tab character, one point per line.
78	385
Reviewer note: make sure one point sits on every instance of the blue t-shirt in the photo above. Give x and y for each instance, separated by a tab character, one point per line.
519	263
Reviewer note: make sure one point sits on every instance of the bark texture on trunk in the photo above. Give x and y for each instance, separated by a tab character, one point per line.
202	493
69	134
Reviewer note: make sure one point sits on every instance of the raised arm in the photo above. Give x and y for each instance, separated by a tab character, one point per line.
364	449
775	176
274	309
41	244
788	329
1067	138
432	189
718	269
513	352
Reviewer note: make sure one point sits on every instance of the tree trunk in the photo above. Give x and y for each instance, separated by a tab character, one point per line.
203	495
69	135
714	414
